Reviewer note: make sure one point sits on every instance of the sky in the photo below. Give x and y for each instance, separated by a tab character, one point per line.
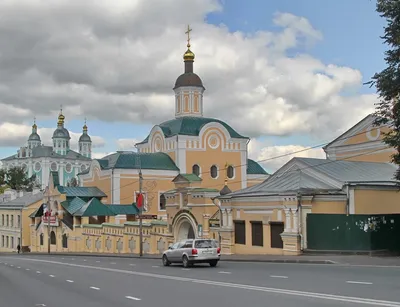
288	74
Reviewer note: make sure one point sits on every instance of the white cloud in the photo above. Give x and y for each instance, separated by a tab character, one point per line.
273	157
17	135
99	155
127	144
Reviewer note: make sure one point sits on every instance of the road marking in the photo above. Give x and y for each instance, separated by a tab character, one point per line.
41	305
11	265
133	298
276	276
132	264
38	272
112	263
69	280
155	266
359	282
51	275
223	272
72	258
62	258
321	296
97	261
84	260
28	269
94	288
185	269
18	267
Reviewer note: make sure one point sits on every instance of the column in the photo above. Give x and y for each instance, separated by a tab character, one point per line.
230	221
224	218
288	225
206	225
295	222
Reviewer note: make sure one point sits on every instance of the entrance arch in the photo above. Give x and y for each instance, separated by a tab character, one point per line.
184	227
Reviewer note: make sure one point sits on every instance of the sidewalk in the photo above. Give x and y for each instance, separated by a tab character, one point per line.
305	259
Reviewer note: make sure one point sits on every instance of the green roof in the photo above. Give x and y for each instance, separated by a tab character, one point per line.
94	207
196	190
253	168
131	160
188	125
81	191
73	205
124	209
187	177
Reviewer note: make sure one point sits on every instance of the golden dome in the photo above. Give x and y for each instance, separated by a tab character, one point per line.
189	55
85	127
61	118
34	126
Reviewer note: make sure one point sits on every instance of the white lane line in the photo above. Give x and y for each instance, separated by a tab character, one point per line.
94	288
277	276
11	265
28	269
84	260
133	298
184	269
132	264
97	261
223	272
321	296
359	282
69	280
72	258
38	272
155	266
62	258
51	275
18	267
112	263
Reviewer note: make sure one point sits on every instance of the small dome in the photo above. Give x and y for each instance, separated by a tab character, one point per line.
34	137
188	79
188	55
225	190
61	133
85	138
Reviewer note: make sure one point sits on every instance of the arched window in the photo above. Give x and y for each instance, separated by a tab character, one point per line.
163	202
196	170
64	241
52	238
214	171
41	239
230	172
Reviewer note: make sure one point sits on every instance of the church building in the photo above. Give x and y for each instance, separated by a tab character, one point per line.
40	160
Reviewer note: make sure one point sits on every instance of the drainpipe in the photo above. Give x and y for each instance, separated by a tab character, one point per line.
300	218
347	198
20	230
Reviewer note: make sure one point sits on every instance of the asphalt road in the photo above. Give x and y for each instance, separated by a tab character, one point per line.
100	281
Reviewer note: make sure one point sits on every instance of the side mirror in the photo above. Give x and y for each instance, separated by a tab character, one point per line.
170	247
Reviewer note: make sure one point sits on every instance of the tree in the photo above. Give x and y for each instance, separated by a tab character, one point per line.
73	182
387	82
17	179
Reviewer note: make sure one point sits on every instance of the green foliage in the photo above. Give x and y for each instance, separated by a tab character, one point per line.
387	82
16	178
73	182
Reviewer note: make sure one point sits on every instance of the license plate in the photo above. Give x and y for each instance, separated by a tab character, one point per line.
207	252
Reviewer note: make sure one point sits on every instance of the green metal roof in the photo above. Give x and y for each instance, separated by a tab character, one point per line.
253	168
73	205
81	191
188	125
188	177
124	209
196	190
94	207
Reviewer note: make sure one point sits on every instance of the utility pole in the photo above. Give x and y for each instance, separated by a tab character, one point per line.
140	213
48	221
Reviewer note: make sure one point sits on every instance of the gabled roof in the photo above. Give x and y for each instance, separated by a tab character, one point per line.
73	205
187	178
190	125
253	168
94	207
124	209
27	199
81	191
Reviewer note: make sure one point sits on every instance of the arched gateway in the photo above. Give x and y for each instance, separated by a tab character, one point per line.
184	226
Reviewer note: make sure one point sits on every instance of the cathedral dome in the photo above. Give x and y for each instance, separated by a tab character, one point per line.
61	133
85	138
188	79
34	137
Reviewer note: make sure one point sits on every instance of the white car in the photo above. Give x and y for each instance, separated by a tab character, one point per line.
191	251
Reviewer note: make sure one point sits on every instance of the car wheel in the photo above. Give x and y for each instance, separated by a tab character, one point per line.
165	261
185	261
213	263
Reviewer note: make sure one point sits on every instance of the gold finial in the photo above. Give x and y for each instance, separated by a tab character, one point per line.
61	117
189	55
84	126
226	173
34	123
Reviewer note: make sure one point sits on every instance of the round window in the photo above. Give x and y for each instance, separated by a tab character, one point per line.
38	166
214	171
53	166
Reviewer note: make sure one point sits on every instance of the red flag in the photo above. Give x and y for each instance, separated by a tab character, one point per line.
139	200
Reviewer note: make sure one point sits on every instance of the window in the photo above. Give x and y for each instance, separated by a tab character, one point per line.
12	242
41	239
196	170
52	238
8	220
7	241
12	220
19	241
163	202
205	244
230	172
257	238
188	244
240	232
2	220
276	229
2	241
19	221
64	241
214	171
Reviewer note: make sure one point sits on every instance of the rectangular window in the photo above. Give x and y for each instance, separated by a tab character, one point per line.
19	221
19	241
2	220
276	229
2	241
8	220
12	242
240	232
162	202
257	236
7	241
12	220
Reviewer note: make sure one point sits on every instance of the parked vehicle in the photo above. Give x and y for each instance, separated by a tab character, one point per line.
191	251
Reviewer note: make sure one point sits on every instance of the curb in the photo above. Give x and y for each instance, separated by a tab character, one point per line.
298	261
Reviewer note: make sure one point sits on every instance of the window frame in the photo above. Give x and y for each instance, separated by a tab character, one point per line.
239	240
257	239
217	170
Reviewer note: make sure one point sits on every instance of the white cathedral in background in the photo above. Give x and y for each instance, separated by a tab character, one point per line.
40	160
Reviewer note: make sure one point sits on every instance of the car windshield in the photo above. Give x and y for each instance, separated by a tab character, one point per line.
205	244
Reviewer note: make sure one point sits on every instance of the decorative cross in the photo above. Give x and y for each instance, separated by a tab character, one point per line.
85	120
60	108
34	120
188	34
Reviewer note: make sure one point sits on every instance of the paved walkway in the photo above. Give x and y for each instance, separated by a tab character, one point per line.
314	259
